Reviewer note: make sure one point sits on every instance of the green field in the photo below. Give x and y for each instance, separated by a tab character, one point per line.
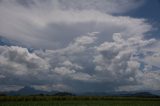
78	101
82	103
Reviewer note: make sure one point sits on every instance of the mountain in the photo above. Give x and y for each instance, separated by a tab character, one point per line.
121	93
142	94
156	92
2	94
27	91
64	94
112	93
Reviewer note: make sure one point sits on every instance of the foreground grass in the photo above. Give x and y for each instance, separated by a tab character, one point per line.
82	103
78	101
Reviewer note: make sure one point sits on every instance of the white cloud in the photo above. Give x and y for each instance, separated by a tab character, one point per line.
118	61
69	64
46	25
55	87
83	77
153	60
133	65
20	66
151	80
39	67
63	71
113	56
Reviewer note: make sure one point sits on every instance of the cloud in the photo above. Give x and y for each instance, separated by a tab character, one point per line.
79	46
55	87
44	24
120	61
149	81
108	6
17	63
115	63
153	60
10	87
40	67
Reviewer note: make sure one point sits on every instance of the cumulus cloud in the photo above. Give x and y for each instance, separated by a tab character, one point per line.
119	60
80	46
55	87
153	60
53	67
17	63
148	81
115	63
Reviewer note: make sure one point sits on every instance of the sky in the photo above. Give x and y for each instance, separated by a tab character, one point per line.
80	45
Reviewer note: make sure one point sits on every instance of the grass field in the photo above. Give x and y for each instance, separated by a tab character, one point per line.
78	101
82	103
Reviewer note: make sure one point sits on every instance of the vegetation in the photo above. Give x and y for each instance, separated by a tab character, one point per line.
77	101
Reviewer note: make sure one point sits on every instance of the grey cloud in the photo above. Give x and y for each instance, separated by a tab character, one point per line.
53	67
71	58
117	60
43	26
109	6
63	68
26	3
10	87
19	66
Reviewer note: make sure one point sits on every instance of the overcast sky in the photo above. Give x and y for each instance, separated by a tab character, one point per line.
80	45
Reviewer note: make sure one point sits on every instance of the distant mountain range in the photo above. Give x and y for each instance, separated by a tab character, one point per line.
31	91
26	91
124	93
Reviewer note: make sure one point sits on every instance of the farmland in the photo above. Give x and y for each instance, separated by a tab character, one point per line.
77	101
